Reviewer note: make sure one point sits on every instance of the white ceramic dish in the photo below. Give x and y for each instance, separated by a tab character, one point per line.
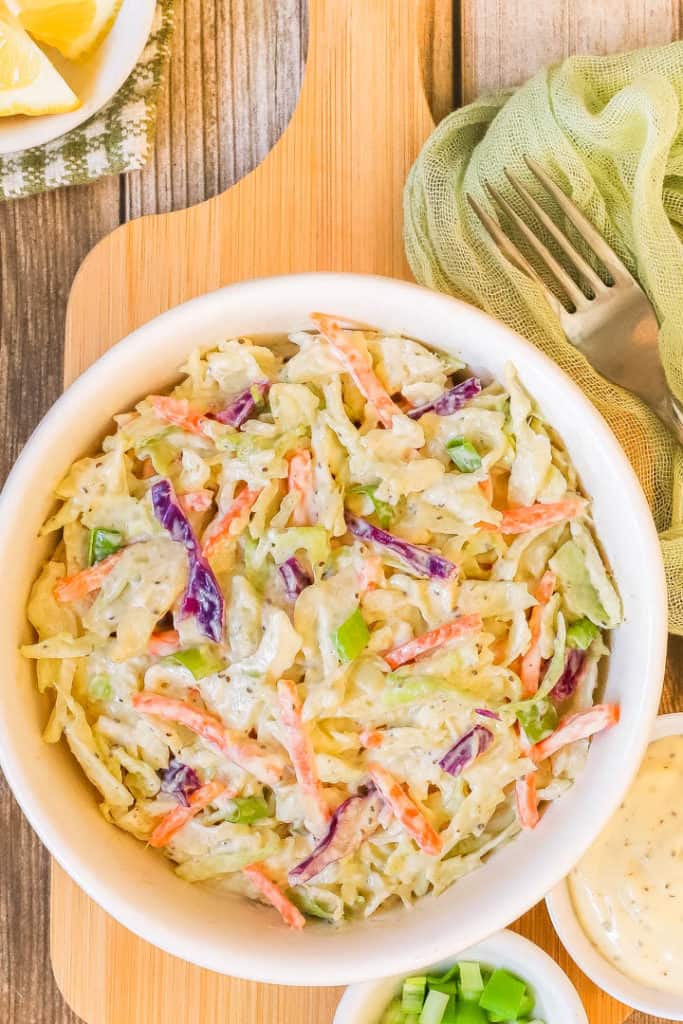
94	80
590	960
237	937
557	1001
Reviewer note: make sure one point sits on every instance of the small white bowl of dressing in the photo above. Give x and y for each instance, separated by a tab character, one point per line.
557	1001
619	913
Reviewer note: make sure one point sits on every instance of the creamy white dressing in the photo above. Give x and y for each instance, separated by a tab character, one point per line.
628	889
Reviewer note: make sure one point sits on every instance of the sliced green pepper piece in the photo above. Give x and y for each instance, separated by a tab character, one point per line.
538	719
201	661
581	634
352	637
434	1007
503	995
464	454
393	1013
100	688
103	543
471	981
247	809
413	994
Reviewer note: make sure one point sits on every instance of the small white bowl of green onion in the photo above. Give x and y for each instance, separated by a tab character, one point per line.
504	979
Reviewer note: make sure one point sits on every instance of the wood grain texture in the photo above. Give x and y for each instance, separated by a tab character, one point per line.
235	111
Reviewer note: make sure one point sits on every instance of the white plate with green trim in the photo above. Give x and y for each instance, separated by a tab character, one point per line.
94	80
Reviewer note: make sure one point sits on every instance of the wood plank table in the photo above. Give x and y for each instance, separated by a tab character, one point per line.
233	84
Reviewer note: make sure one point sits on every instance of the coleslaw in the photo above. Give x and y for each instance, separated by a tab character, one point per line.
325	623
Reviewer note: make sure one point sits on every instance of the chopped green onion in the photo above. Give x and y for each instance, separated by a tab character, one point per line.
450	975
469	1013
201	661
527	1004
538	719
434	1007
393	1013
449	987
100	688
352	637
247	809
464	454
413	994
449	1016
385	512
406	689
503	995
471	981
161	454
581	634
103	543
312	908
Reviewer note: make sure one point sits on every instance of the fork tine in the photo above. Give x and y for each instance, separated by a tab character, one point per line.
512	253
590	235
580	264
569	285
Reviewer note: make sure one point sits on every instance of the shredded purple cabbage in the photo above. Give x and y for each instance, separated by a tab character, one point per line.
179	780
450	401
202	598
423	561
242	407
352	822
466	750
566	685
295	577
487	713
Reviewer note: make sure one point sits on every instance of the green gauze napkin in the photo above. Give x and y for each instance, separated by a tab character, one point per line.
118	138
610	132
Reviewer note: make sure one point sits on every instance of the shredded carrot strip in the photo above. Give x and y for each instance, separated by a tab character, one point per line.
531	662
176	819
290	914
371	738
148	469
371	574
234	520
486	488
532	517
300	482
359	365
166	641
266	765
406	811
300	749
72	588
178	412
434	638
576	727
526	801
196	501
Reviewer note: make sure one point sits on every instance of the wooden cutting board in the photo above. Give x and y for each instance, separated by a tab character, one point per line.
328	197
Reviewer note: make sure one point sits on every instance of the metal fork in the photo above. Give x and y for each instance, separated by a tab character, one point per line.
613	325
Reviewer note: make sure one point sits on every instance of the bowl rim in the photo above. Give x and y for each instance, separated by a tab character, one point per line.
181	322
502	945
117	61
592	962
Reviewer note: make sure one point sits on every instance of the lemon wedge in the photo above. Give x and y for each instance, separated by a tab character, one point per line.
74	27
28	82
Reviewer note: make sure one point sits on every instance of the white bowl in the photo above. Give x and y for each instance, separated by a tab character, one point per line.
557	1001
589	958
94	80
235	936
